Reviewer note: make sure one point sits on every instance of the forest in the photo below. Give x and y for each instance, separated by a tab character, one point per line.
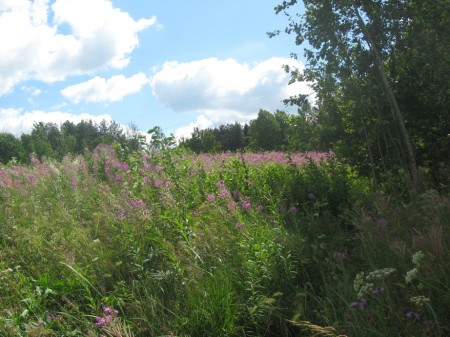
333	221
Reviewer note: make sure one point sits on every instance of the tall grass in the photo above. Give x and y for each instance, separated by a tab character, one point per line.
170	244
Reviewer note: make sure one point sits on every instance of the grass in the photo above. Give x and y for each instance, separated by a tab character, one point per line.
170	244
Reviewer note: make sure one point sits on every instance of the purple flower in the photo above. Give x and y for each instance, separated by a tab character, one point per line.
354	304
99	322
118	178
363	303
220	184
259	208
377	291
413	315
211	197
339	256
223	193
246	204
110	311
293	210
137	203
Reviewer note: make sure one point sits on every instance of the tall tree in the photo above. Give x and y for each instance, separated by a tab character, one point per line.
350	45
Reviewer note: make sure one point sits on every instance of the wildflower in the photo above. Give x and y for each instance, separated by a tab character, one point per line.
223	193
239	226
110	311
411	275
146	180
211	197
34	160
412	315
259	208
419	300
73	182
293	210
417	258
118	178
354	304
237	195
137	203
246	204
31	179
220	184
339	256
377	291
363	303
159	168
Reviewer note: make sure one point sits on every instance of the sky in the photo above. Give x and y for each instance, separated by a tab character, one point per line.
175	64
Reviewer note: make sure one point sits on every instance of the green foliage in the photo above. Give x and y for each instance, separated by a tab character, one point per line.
238	247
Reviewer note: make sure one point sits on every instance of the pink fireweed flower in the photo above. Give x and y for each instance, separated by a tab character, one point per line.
34	160
223	193
211	197
31	179
339	256
159	168
118	177
246	204
137	203
158	183
220	184
146	180
110	311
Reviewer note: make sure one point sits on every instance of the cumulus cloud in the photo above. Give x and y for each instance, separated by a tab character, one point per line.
49	42
201	122
100	89
17	121
226	89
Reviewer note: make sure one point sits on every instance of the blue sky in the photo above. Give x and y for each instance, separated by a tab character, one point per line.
176	64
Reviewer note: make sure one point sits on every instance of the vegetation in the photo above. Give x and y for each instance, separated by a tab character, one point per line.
52	141
331	222
159	243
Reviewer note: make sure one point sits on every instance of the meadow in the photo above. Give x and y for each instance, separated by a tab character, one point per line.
173	244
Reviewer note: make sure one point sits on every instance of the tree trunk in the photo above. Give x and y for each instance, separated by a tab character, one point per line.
392	100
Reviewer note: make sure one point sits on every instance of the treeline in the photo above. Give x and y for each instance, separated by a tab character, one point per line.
52	141
278	131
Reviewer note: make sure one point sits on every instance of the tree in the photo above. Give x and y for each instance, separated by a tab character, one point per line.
10	147
265	132
350	46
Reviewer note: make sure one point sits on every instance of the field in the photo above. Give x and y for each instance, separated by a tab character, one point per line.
174	244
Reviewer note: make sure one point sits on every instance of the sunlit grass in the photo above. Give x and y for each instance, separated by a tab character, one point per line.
228	245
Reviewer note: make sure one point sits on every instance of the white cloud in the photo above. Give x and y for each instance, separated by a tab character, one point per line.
225	85
79	37
225	91
17	121
100	89
201	122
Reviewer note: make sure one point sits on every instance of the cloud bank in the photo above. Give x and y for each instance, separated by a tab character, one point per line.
17	121
225	91
49	42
